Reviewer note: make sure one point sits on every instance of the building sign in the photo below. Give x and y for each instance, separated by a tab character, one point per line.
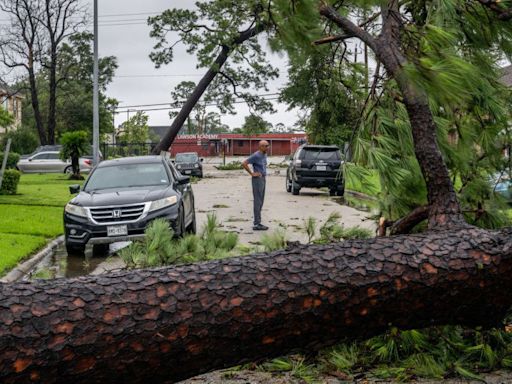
199	137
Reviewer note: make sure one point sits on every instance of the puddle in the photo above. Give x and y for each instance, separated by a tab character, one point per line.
60	264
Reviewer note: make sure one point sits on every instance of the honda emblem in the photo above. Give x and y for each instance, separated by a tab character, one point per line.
116	213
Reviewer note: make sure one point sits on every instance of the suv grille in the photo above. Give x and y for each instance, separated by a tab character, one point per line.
117	214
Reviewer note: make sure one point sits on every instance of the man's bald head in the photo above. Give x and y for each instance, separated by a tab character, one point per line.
263	146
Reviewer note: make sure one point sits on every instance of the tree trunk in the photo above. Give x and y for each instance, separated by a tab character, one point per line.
167	324
52	100
34	97
201	87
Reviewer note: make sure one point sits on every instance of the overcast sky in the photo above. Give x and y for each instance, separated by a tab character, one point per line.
125	34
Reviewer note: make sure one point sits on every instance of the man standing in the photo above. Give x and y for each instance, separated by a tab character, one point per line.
258	160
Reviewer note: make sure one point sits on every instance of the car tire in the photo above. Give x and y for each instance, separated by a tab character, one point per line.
201	175
100	249
68	170
295	188
76	250
288	184
340	191
332	192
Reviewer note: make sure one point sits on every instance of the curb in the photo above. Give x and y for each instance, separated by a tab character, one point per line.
23	269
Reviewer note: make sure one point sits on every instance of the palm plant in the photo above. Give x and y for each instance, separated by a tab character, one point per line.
74	145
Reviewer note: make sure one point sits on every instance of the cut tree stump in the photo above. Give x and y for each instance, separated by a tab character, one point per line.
167	324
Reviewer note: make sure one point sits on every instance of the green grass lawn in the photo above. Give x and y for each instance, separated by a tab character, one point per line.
14	248
32	217
41	189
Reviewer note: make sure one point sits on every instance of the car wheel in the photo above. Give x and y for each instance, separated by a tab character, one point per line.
288	184
295	188
341	191
68	170
76	250
332	192
100	249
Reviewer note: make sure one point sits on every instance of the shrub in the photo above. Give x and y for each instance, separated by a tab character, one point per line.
12	159
230	166
24	141
10	182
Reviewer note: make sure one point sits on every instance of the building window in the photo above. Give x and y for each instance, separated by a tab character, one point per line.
240	143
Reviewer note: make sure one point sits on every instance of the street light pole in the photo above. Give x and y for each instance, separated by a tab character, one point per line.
96	109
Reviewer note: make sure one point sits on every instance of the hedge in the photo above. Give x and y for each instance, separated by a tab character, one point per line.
10	182
12	159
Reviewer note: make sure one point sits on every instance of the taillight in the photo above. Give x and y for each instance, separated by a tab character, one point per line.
88	162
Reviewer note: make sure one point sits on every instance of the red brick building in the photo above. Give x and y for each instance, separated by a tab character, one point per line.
281	144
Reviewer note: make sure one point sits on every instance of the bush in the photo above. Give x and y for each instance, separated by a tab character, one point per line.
12	159
10	182
24	141
230	166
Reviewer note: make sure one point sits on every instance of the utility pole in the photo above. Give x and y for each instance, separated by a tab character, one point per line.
96	96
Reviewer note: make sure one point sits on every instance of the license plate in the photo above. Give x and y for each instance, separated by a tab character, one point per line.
188	172
117	230
321	168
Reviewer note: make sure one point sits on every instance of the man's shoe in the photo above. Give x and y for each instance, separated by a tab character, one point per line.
260	227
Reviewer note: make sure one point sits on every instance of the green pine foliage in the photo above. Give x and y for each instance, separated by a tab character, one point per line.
161	248
331	230
455	50
432	353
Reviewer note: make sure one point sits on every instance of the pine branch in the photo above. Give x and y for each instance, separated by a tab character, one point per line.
504	14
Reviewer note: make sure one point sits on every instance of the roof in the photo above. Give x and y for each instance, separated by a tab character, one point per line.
506	79
314	146
131	160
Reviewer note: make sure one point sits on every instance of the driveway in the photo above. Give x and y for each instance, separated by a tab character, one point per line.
228	194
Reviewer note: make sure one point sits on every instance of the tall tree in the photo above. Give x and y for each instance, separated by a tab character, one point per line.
435	56
224	37
255	125
20	48
74	95
44	27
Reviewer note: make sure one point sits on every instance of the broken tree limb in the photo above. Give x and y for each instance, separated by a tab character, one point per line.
167	324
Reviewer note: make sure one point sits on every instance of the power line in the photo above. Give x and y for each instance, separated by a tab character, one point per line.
171	108
263	95
175	75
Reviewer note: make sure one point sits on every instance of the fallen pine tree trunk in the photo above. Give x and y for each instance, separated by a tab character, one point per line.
167	324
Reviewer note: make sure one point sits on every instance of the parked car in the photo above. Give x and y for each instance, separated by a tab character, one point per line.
189	163
56	148
316	166
50	161
122	196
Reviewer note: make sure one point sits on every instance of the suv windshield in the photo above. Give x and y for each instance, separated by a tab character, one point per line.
325	154
186	158
127	175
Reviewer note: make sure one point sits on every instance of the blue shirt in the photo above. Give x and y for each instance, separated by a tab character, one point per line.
258	161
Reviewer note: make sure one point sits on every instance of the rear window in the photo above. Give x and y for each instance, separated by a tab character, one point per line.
325	154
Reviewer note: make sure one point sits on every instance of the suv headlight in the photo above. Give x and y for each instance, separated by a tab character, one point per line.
75	210
162	203
178	166
196	165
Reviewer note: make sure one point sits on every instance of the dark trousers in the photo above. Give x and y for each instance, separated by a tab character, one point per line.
258	193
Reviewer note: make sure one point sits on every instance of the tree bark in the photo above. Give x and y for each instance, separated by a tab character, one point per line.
201	87
52	100
167	324
34	98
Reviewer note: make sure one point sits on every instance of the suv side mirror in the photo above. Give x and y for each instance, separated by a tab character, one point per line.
183	180
202	160
74	189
